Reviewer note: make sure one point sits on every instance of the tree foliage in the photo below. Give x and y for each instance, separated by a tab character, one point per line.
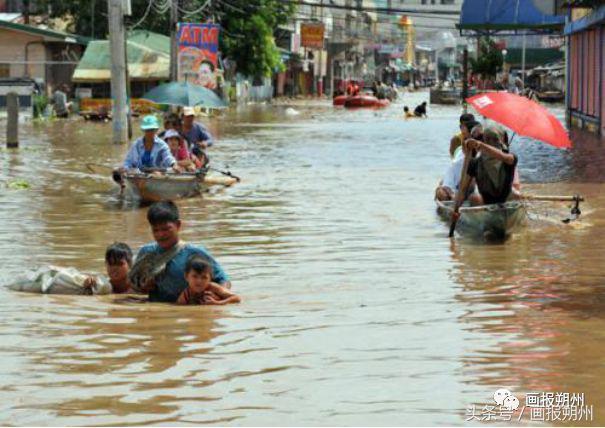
489	59
247	26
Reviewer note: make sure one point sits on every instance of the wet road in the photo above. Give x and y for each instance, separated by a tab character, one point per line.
357	308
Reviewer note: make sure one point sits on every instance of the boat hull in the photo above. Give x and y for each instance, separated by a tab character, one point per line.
147	188
339	100
365	101
497	220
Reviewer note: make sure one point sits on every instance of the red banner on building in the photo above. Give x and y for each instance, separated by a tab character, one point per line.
312	36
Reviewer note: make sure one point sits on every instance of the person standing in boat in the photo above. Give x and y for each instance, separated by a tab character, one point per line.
150	151
493	170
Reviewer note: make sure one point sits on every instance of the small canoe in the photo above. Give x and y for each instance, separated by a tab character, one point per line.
153	188
496	220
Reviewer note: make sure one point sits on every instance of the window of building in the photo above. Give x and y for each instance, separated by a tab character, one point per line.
447	2
5	70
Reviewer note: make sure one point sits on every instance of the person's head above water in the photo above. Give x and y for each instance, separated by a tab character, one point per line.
406	109
118	261
163	217
198	273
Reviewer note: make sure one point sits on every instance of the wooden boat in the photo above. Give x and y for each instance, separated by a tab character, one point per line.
496	220
161	187
444	96
551	96
365	101
156	187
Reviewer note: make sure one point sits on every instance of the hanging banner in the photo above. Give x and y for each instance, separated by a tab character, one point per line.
312	36
198	53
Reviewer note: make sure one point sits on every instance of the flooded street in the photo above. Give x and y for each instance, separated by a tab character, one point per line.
357	308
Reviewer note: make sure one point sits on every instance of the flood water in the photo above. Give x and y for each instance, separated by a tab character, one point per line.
357	308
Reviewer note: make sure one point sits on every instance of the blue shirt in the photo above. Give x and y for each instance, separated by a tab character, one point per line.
173	283
198	133
160	155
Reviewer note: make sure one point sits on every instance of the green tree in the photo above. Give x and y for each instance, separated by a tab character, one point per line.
489	59
247	26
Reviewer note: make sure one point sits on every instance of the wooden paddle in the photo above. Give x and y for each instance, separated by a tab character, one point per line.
227	173
464	182
224	181
553	198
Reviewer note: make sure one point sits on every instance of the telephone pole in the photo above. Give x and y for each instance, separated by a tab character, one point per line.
117	46
174	19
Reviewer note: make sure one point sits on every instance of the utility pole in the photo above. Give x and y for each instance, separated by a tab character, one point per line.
523	60
117	46
320	82
174	19
465	79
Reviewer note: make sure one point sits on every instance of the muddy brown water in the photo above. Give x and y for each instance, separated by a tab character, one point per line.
357	308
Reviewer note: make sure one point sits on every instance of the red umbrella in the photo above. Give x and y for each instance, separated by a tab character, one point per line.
523	116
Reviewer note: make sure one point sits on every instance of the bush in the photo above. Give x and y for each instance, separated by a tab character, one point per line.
40	103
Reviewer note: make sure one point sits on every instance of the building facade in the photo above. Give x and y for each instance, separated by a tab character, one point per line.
585	99
44	55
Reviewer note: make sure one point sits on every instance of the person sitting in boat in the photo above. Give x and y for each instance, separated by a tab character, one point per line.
150	151
458	139
60	280
493	170
194	132
420	110
171	121
407	113
159	268
200	288
178	149
450	185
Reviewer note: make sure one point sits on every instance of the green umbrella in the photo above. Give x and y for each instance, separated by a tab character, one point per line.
184	94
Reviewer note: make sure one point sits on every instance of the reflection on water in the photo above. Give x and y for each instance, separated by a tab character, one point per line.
357	308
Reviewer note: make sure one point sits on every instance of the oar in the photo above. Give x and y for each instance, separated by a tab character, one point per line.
227	173
97	168
464	182
554	198
576	199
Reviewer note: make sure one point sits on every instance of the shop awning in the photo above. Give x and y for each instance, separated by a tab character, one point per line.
479	17
148	59
597	17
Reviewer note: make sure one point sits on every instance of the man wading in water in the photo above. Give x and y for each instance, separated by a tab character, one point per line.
159	268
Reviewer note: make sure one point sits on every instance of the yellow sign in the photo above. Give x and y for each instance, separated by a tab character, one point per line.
138	105
312	36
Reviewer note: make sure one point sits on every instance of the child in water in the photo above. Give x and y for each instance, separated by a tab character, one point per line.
406	113
201	290
59	280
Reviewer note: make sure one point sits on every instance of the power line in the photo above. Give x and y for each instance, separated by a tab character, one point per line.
187	13
386	10
144	15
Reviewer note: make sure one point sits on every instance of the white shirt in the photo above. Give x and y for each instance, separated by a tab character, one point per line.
453	174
